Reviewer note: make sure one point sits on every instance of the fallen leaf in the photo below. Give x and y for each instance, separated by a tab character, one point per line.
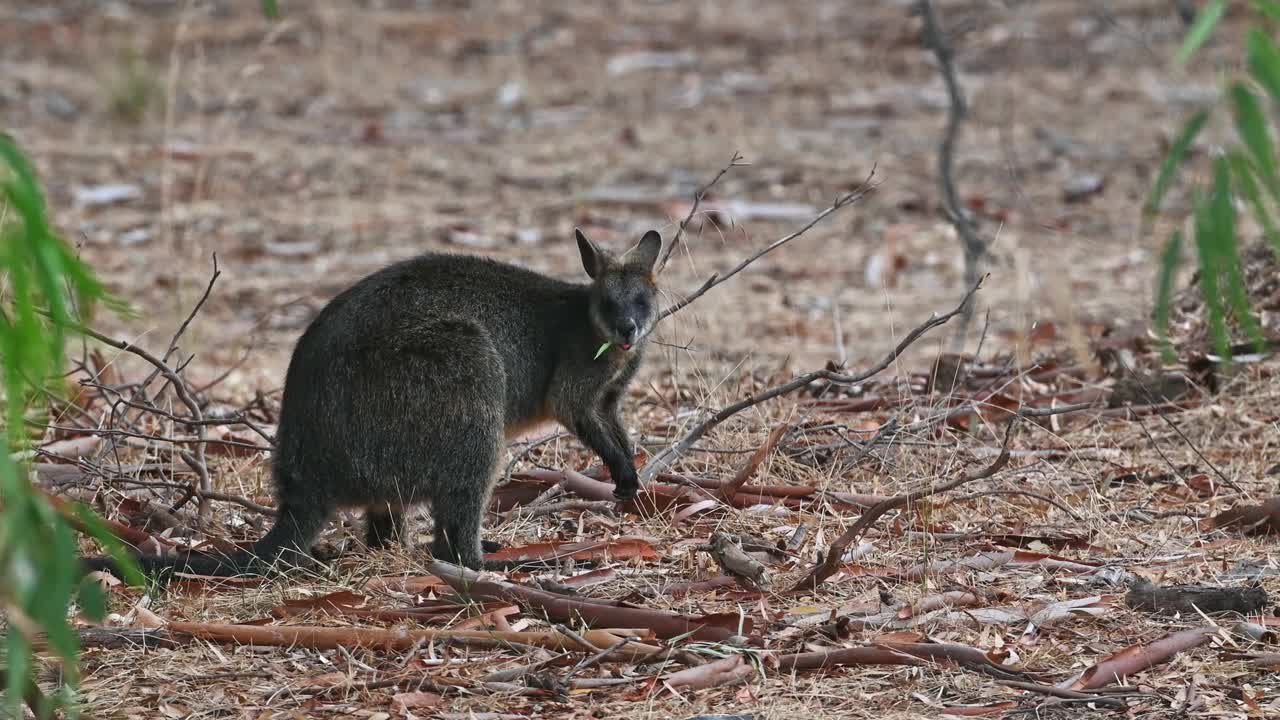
411	700
1136	658
729	671
1261	519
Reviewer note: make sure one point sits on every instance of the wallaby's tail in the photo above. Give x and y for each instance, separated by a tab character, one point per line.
286	544
162	567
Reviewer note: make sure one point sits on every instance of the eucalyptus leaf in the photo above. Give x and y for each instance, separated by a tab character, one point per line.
1173	161
1201	29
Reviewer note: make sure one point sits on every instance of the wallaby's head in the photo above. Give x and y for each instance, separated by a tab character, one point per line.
623	294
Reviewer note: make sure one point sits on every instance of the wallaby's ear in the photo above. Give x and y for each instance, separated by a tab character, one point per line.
645	253
593	259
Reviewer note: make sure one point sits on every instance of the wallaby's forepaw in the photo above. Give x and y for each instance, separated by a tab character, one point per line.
623	494
490	546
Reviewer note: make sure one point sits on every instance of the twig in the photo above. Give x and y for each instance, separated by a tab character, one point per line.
831	563
152	408
734	161
199	465
528	449
1026	493
974	247
1059	692
1059	410
108	432
866	188
1151	398
243	502
600	656
601	506
668	456
197	459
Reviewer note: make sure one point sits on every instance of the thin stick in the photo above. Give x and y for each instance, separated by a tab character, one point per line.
1026	493
664	459
1194	448
734	161
197	461
974	247
866	188
831	563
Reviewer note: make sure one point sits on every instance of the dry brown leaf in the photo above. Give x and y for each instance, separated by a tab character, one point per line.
1263	519
729	671
416	700
1136	658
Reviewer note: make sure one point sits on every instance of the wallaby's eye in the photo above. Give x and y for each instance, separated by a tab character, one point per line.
641	302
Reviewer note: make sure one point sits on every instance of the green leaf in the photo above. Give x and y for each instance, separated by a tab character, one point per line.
19	671
1210	274
601	351
1264	61
271	9
1223	213
1251	123
1164	292
1177	154
1269	8
1243	173
93	602
1200	30
116	549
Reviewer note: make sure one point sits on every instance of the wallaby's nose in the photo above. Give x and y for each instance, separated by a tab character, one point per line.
630	331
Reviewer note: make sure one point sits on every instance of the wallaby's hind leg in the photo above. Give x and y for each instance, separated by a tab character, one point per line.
427	418
382	526
461	499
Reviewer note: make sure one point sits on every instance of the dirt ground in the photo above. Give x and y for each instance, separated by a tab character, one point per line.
309	151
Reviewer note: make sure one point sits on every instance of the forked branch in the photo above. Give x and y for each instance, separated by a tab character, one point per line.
866	188
734	162
831	562
664	459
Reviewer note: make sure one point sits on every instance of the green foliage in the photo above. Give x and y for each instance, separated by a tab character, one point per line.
39	574
1246	172
1205	22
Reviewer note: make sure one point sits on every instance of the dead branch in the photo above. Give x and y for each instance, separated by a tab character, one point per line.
974	247
240	500
734	161
197	459
153	409
731	488
664	459
831	563
866	188
600	506
1025	493
329	638
592	611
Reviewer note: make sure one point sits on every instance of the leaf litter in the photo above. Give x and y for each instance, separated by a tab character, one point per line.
999	598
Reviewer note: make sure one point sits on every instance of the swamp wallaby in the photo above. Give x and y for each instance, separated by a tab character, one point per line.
405	388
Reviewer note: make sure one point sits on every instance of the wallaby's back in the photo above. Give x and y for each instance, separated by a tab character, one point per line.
403	389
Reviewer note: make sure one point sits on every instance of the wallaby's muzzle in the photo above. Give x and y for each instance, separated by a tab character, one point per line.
630	333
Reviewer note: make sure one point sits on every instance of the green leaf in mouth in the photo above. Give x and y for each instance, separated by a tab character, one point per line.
601	351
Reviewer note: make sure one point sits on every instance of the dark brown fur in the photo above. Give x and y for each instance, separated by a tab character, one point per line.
405	387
